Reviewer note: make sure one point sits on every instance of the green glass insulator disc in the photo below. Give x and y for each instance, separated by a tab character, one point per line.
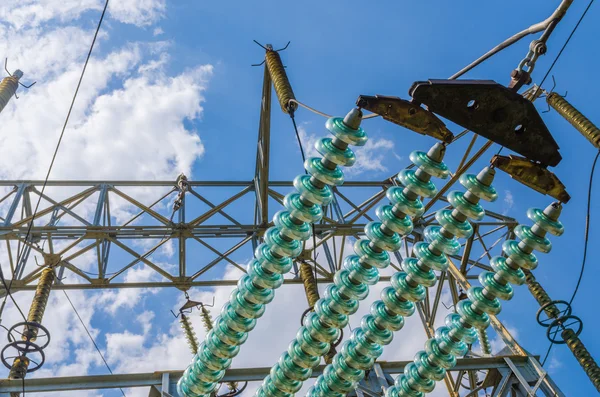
341	131
291	370
239	299
477	320
359	273
338	303
467	335
402	226
416	381
473	211
209	360
323	389
227	335
298	210
481	303
373	333
403	389
409	180
442	335
250	297
340	157
413	294
428	370
364	346
382	240
328	316
280	246
412	208
555	228
345	371
437	356
353	358
395	305
200	373
282	382
235	321
318	331
380	260
309	345
322	196
541	244
433	236
218	348
448	222
512	250
470	182
184	388
432	167
291	230
504	292
324	175
261	278
271	389
383	319
436	262
335	383
300	358
270	263
348	288
515	276
426	278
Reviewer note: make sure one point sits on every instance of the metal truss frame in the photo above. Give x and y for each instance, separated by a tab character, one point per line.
78	218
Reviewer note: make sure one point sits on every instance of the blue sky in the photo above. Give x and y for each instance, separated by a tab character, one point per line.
202	54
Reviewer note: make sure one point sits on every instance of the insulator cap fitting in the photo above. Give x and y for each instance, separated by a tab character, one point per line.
353	118
437	152
486	176
18	74
553	210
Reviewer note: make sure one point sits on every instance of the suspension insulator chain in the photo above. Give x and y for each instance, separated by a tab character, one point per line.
575	117
408	287
473	314
484	342
206	318
281	83
282	244
351	284
540	295
583	356
189	332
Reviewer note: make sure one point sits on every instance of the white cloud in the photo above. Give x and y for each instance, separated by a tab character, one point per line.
509	202
138	12
157	32
369	158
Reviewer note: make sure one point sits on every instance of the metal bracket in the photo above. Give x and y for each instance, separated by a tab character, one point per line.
492	111
406	114
532	175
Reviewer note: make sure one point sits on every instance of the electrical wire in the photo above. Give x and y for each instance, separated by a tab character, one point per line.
567	42
368	116
90	336
19	254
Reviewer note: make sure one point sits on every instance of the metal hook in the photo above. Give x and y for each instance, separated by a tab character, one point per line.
269	47
284	48
10	74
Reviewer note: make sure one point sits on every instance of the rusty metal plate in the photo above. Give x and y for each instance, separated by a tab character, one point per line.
492	111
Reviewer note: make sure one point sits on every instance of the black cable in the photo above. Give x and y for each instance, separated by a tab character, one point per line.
23	393
298	137
59	140
8	293
566	42
587	228
90	335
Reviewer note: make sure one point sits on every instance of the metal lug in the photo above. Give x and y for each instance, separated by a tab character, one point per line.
492	111
533	175
406	114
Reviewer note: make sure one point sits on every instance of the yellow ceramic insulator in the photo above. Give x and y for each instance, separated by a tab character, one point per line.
583	356
540	295
190	335
282	85
38	306
575	117
310	284
484	341
8	87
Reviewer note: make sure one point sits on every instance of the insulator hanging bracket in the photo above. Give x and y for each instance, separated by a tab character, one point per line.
532	175
492	111
406	114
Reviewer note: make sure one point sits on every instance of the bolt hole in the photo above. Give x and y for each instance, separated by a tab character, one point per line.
519	129
473	105
412	111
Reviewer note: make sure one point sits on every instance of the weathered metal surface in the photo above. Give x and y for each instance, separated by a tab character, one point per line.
532	175
406	114
493	111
